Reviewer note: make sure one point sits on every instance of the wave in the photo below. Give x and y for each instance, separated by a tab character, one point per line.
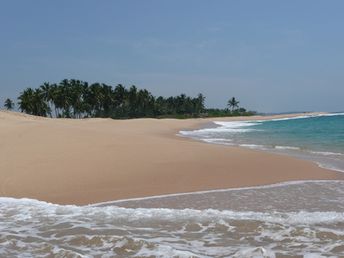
230	133
217	139
82	231
215	130
241	126
286	147
329	167
333	114
327	153
222	127
259	187
303	116
32	210
221	141
253	146
236	124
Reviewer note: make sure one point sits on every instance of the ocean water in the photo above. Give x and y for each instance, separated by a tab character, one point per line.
292	219
319	138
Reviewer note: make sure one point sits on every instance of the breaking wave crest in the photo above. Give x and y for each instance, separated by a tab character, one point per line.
223	127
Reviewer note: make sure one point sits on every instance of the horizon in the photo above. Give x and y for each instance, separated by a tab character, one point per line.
274	57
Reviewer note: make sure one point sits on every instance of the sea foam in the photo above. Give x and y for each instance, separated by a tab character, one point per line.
82	231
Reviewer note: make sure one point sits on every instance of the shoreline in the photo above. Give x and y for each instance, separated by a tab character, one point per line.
286	183
102	160
301	154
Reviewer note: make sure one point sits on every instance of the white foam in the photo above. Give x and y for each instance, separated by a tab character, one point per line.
33	209
217	139
221	141
252	146
329	167
213	135
44	229
286	148
207	131
255	252
295	117
298	182
327	153
304	116
236	124
240	126
167	251
333	114
223	127
291	118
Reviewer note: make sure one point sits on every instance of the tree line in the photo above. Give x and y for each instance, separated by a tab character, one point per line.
78	99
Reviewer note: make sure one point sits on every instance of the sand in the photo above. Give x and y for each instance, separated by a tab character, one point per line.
96	160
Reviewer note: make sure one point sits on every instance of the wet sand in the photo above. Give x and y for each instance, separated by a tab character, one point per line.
97	160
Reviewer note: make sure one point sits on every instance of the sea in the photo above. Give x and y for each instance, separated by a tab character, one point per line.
291	219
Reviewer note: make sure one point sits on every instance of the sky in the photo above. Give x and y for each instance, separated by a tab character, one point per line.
274	56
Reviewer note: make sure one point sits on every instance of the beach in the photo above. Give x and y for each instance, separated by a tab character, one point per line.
87	161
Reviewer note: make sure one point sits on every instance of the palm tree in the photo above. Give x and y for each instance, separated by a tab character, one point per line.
94	97
133	101
233	103
160	106
26	101
145	103
9	104
57	99
40	105
121	101
199	103
107	100
76	99
32	102
65	93
46	92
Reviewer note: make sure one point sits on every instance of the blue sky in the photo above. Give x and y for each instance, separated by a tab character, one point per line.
274	56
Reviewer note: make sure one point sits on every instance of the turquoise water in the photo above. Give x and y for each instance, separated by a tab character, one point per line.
321	133
318	138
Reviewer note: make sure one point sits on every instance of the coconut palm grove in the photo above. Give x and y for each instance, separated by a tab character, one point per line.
79	99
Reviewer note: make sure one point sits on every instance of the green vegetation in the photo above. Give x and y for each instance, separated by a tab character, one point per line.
233	104
77	99
9	104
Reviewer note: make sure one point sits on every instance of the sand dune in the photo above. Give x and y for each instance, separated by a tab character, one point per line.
94	160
